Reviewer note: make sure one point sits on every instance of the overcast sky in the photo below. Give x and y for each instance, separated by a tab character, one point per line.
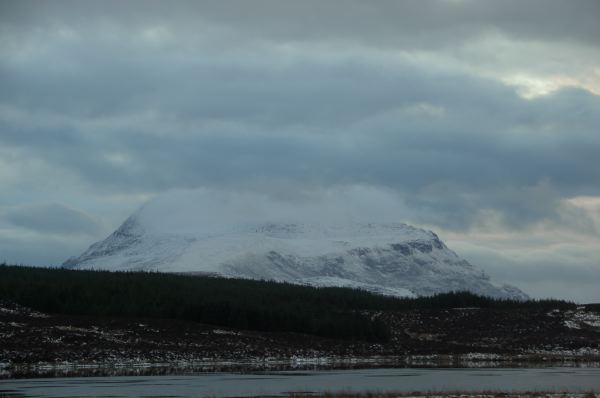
477	119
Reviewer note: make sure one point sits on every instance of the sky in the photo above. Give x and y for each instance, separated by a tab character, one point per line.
477	119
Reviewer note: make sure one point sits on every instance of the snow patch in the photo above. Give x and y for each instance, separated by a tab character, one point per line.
225	332
581	318
571	325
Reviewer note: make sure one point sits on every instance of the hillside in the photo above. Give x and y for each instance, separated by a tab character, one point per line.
175	233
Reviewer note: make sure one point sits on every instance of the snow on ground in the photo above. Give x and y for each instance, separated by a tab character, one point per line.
581	318
15	309
579	352
226	332
8	311
571	325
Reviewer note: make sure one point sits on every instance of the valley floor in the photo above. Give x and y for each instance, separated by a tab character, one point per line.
54	344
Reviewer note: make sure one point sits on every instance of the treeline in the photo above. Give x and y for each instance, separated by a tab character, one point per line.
236	303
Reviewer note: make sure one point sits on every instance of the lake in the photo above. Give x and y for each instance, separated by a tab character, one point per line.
284	382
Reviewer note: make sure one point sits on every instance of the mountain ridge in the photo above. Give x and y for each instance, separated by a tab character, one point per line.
387	258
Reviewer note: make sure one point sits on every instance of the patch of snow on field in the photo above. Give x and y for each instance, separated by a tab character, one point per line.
9	311
225	332
481	356
571	325
16	309
579	352
589	318
581	317
69	328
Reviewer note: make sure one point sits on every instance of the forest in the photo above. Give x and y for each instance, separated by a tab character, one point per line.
269	306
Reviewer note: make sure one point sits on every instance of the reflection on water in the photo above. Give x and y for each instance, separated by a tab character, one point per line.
284	382
191	368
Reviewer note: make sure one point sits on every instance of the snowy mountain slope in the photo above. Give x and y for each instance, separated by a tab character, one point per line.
389	258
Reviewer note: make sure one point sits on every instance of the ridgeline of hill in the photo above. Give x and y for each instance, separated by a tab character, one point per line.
339	313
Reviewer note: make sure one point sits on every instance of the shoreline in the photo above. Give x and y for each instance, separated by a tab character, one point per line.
10	371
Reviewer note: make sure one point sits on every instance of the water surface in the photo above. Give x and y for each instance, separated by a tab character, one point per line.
280	383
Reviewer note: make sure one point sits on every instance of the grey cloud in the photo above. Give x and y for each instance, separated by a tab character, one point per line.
560	272
40	250
415	23
52	219
450	143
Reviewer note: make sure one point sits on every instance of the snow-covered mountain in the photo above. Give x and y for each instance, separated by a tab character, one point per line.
169	235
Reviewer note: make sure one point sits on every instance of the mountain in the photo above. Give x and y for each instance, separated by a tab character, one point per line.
389	258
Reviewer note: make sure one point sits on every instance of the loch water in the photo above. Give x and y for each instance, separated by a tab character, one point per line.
271	383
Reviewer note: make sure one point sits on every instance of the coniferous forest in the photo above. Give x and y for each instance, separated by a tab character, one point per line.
268	306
